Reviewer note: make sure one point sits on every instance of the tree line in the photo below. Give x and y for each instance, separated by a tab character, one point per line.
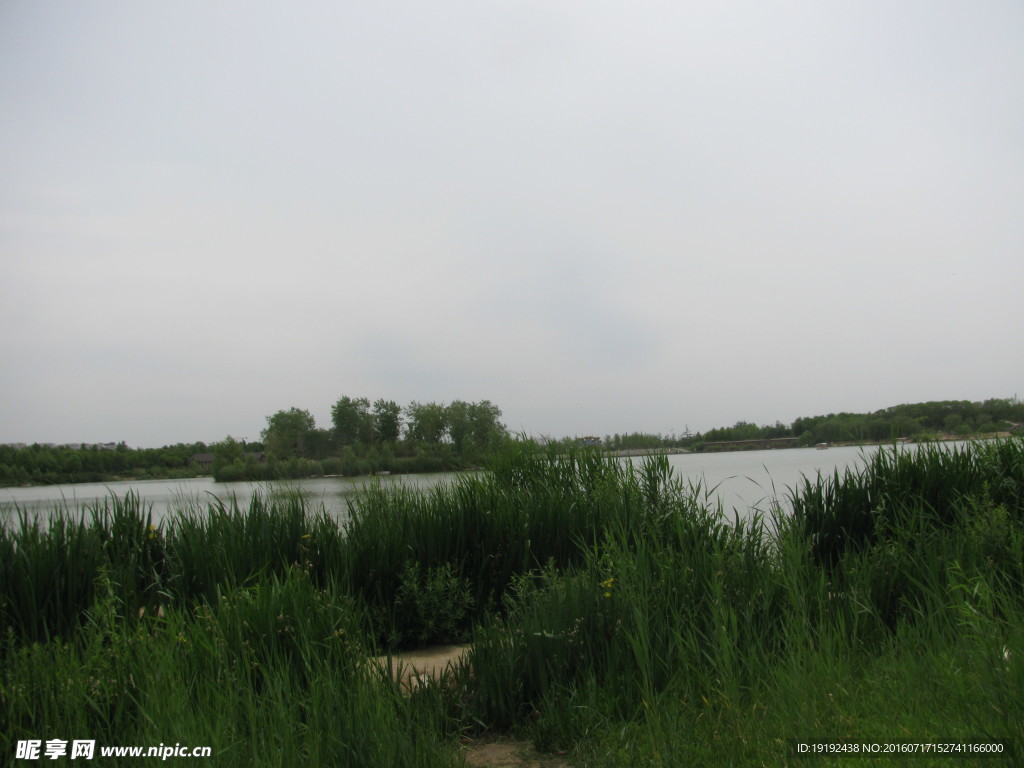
919	421
365	438
48	464
381	436
357	425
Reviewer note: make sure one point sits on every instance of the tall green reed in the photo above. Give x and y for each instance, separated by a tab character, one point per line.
268	675
709	622
487	529
850	510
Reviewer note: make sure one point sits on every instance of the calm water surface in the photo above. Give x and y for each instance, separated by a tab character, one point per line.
741	480
752	480
167	496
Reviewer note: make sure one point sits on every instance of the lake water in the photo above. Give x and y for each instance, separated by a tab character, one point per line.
166	496
741	480
752	480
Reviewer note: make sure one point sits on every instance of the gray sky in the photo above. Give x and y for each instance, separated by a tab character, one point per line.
603	217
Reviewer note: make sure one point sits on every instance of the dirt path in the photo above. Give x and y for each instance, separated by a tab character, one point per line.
502	753
424	665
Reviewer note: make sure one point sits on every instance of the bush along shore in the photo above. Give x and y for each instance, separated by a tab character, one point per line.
614	616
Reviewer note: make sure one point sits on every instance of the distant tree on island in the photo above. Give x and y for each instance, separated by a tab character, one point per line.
353	421
426	423
365	440
289	433
387	420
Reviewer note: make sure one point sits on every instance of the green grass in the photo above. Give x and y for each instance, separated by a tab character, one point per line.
269	675
614	616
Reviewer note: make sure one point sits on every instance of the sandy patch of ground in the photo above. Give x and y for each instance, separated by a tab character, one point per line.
412	668
423	665
503	753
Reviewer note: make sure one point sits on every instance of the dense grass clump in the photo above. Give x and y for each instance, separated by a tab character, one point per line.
614	615
464	544
710	643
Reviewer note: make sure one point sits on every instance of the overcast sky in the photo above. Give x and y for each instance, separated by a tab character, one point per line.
603	217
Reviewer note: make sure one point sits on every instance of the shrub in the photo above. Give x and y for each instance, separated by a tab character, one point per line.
431	606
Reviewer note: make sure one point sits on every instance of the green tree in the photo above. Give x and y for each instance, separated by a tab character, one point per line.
352	420
474	427
287	433
226	452
426	422
952	421
70	462
460	425
387	419
487	429
320	443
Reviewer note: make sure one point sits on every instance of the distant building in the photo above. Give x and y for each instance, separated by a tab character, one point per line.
203	460
590	441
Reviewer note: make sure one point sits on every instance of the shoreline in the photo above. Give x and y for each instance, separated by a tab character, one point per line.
628	452
946	438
